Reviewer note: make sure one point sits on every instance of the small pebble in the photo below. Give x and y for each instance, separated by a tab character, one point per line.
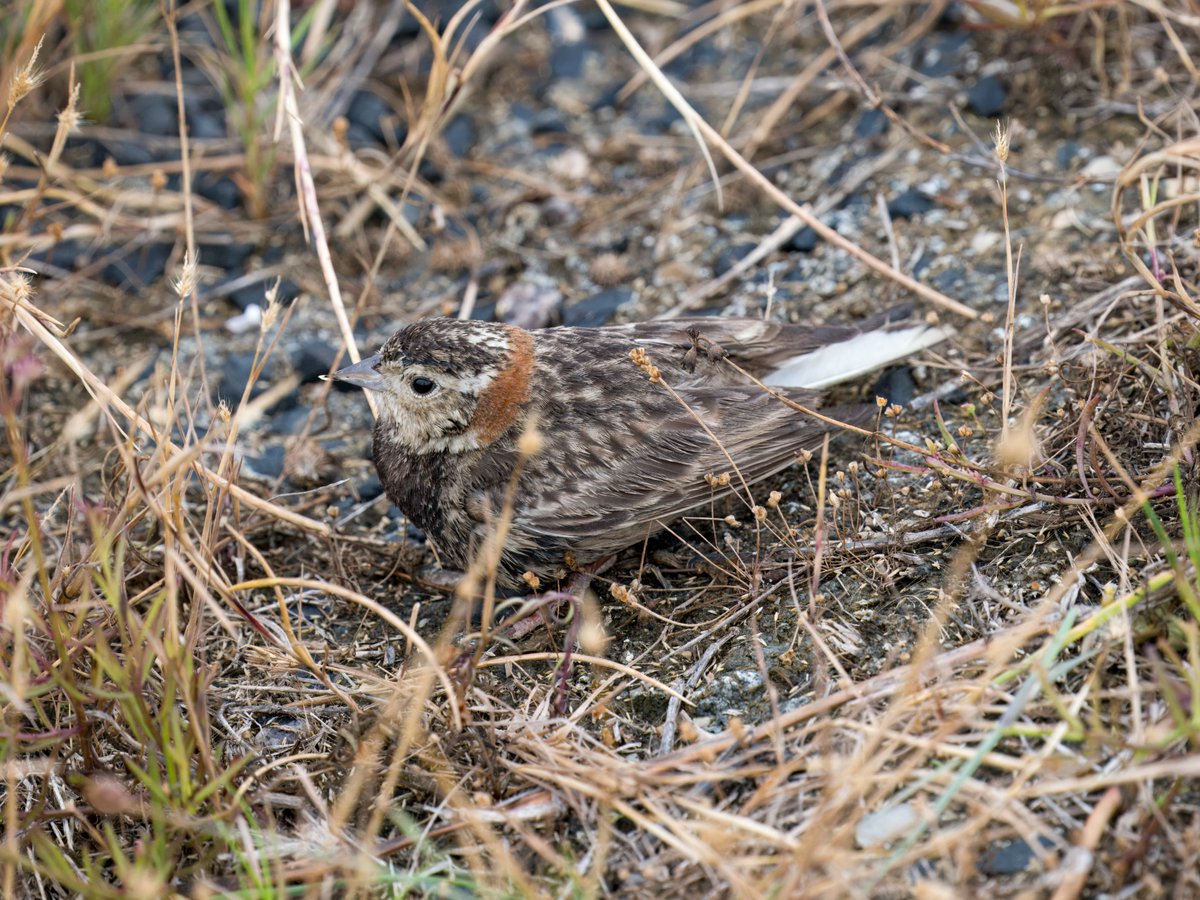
878	829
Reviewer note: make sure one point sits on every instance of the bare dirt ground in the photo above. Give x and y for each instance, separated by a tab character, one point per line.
957	657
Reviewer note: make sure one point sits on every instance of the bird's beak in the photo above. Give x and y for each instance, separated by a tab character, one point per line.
363	374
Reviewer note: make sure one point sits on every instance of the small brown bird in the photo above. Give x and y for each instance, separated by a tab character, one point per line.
620	454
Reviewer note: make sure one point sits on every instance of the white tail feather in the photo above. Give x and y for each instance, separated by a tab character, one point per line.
843	361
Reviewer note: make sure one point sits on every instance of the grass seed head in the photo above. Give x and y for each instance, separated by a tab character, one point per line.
530	442
608	269
26	78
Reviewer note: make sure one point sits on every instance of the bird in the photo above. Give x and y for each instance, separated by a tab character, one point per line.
564	446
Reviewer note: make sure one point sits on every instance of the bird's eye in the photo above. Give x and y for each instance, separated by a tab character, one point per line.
423	386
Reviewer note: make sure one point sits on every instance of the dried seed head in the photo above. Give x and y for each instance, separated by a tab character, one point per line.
109	168
641	359
454	256
608	269
530	442
185	284
26	78
532	580
69	118
341	125
773	499
270	313
1019	449
731	521
108	796
158	179
16	286
1001	140
623	594
881	402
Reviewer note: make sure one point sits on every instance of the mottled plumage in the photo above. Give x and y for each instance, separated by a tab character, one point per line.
620	457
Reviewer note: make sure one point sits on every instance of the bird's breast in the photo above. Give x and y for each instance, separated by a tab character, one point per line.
415	482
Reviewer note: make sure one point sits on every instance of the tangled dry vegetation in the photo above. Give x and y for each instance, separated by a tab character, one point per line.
960	655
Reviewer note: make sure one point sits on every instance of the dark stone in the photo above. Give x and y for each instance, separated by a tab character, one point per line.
307	610
522	112
268	464
250	295
256	294
569	48
872	123
289	421
549	121
943	54
597	309
950	280
137	266
369	489
235	373
131	153
607	98
911	203
205	124
373	115
85	152
484	311
459	135
568	62
65	255
688	64
987	96
664	120
1011	857
288	291
430	171
803	241
730	257
559	211
358	137
227	256
922	264
896	386
218	189
1067	153
155	114
313	359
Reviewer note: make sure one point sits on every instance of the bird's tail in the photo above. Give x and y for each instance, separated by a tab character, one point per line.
858	353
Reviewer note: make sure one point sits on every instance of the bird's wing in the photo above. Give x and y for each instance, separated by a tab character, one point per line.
780	353
601	502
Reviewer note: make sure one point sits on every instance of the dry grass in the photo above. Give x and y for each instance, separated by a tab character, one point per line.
979	625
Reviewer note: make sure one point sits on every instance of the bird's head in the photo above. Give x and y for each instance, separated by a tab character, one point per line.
448	385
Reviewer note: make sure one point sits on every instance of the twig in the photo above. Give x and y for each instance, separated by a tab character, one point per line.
310	210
